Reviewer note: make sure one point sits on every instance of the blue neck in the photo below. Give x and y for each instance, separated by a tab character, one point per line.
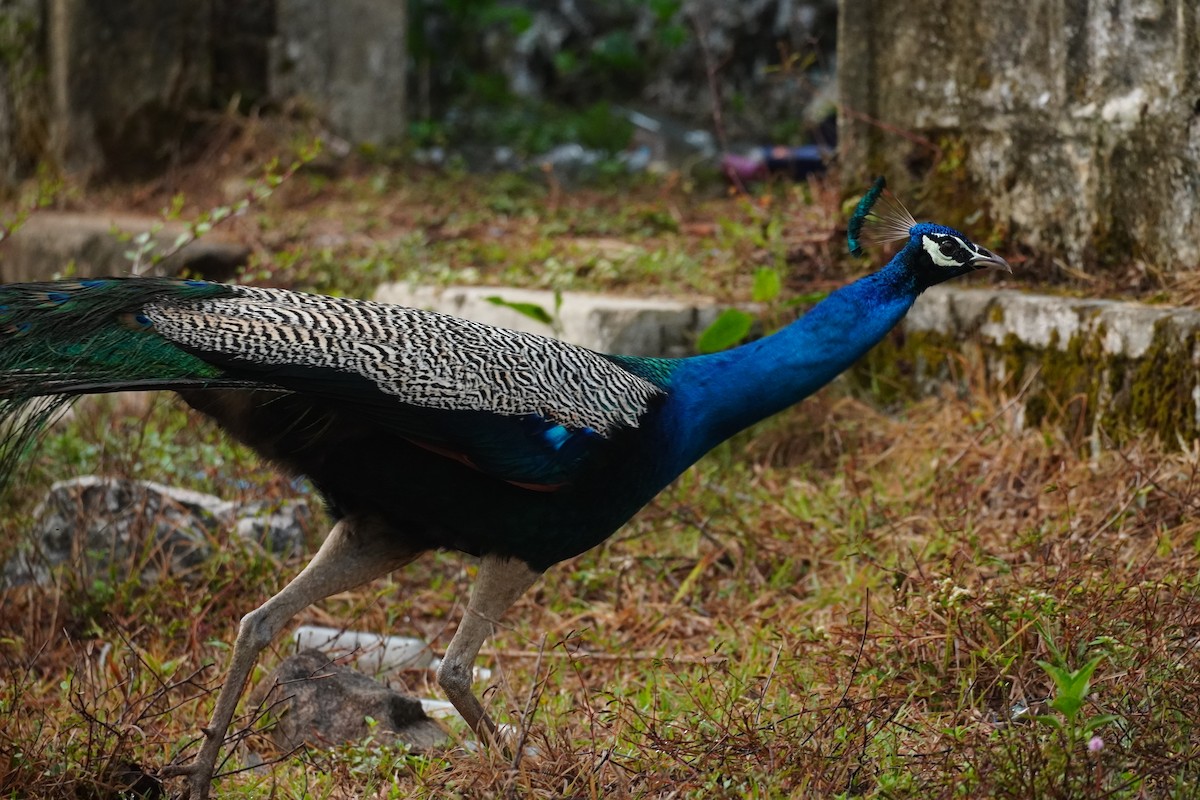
715	396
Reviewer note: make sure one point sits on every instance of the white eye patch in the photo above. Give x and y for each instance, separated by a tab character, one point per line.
934	248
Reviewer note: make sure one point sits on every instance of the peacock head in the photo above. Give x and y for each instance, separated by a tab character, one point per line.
934	253
937	253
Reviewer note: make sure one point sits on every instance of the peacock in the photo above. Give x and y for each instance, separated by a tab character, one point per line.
424	431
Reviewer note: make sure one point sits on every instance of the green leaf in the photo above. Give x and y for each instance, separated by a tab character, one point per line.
1082	677
565	62
725	331
531	310
807	299
1059	675
1068	705
1048	719
1099	721
767	285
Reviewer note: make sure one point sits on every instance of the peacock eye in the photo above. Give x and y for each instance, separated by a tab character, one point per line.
948	247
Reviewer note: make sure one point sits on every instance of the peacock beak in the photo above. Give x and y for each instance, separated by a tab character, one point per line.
987	258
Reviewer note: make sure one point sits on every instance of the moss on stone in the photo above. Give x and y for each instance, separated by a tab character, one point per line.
904	367
1074	385
1159	387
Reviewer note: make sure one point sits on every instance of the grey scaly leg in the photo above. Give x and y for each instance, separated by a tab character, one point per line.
499	583
357	550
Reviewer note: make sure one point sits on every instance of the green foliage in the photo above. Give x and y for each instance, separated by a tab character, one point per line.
767	285
535	311
529	127
600	127
1071	688
733	325
531	310
615	53
145	252
728	329
45	191
461	96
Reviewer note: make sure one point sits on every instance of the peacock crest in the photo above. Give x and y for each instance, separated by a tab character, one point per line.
878	218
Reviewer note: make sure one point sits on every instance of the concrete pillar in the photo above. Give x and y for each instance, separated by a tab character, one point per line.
348	59
122	76
1071	127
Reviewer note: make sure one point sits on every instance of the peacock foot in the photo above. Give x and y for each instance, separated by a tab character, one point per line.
199	771
199	778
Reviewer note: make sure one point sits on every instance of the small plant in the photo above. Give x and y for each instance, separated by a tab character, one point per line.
733	324
46	191
1070	695
144	254
534	311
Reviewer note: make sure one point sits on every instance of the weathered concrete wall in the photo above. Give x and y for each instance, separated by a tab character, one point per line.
122	76
1074	125
114	88
243	32
348	58
98	88
24	108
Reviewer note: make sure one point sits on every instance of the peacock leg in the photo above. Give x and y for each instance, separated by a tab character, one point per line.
357	550
499	583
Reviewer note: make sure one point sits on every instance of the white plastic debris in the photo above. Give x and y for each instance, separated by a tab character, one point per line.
438	709
371	652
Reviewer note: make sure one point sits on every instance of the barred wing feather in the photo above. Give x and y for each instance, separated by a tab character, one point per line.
522	407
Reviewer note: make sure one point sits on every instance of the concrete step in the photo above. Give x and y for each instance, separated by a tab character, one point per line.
632	326
94	244
1102	369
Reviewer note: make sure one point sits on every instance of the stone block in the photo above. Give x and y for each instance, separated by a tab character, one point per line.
317	702
1104	370
48	242
626	325
95	523
368	652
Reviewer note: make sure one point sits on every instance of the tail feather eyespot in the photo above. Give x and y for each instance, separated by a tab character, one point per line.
136	321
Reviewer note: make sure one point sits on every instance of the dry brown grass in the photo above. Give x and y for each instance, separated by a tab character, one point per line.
842	602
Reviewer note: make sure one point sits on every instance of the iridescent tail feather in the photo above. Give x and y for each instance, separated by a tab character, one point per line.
59	340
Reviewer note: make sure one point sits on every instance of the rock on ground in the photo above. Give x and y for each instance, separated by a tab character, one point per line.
96	522
317	702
